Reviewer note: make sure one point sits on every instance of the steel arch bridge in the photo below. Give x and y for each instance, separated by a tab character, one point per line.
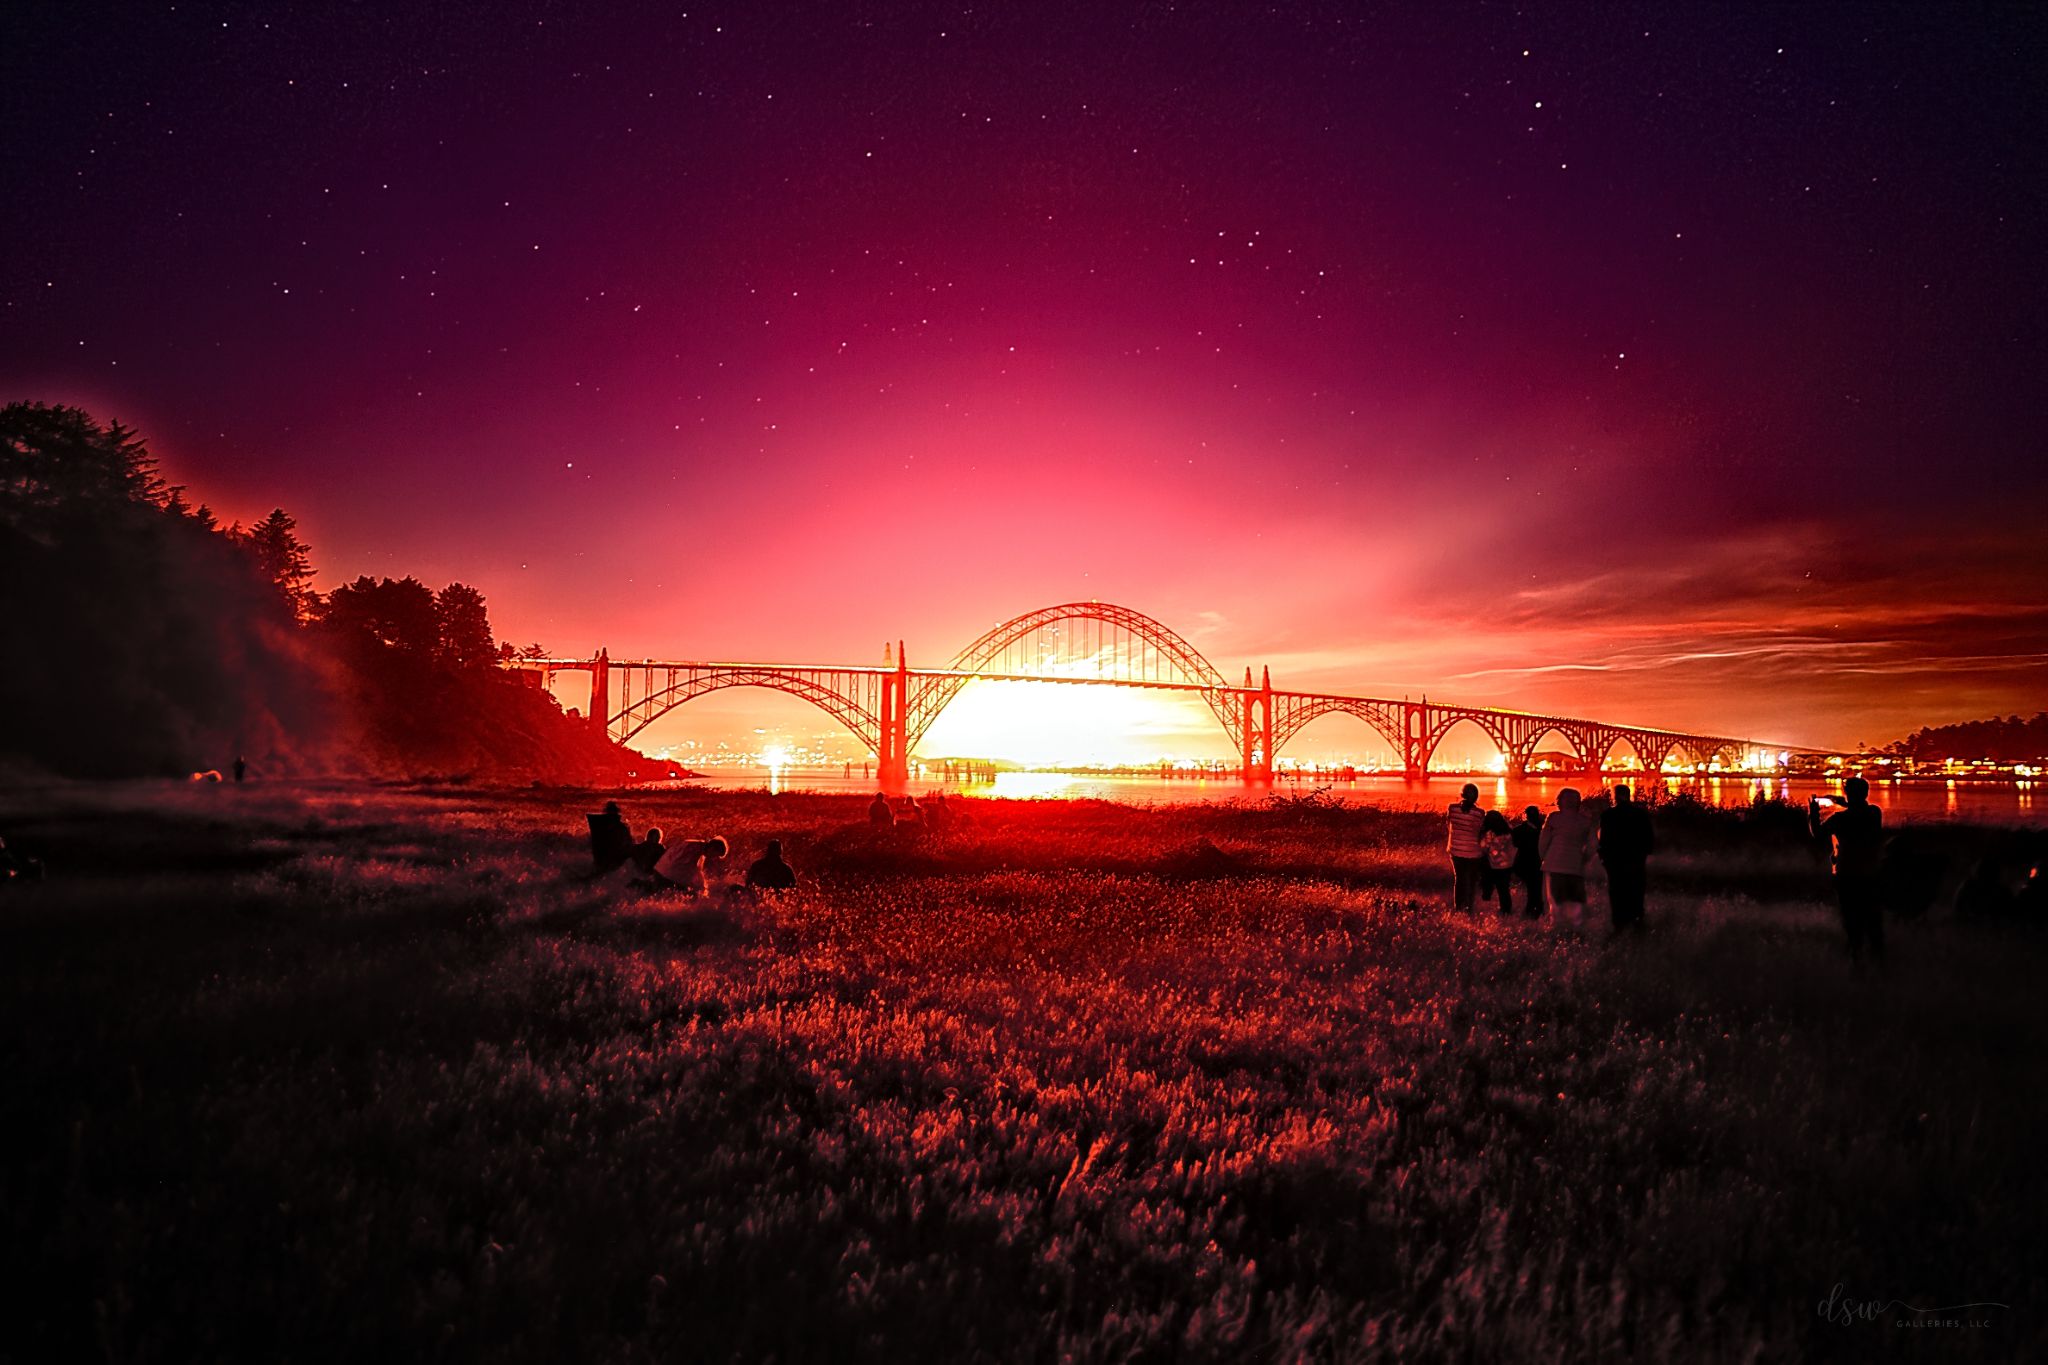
891	707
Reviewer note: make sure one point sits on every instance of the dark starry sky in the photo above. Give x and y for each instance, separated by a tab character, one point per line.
1676	363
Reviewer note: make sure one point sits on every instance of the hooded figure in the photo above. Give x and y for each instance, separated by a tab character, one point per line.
1566	847
769	872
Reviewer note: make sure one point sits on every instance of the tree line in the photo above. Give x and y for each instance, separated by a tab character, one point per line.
140	636
2011	740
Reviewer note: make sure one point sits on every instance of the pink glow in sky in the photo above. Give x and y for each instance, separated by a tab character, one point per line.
1704	393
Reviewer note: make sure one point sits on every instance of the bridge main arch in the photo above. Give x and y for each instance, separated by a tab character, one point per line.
1171	658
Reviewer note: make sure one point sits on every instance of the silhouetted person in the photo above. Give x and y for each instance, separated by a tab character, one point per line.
1466	823
910	813
1626	842
1857	830
937	814
1983	895
2031	904
645	854
611	842
241	768
687	862
1566	845
1527	833
880	814
769	872
17	868
1497	842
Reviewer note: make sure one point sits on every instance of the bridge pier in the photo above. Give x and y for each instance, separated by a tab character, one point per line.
892	754
599	714
1414	742
1256	730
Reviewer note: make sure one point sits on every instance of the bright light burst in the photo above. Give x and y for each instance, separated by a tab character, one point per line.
1051	723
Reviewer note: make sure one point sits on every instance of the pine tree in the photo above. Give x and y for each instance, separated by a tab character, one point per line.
284	558
465	628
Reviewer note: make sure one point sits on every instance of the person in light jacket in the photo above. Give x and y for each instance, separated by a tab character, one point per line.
1465	823
1566	846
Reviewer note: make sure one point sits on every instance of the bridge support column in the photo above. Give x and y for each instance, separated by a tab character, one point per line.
600	693
893	755
1414	726
1257	729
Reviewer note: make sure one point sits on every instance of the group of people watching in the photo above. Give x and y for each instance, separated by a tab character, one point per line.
1487	853
695	867
933	813
1550	855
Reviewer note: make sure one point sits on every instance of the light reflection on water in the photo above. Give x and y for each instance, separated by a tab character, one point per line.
2008	802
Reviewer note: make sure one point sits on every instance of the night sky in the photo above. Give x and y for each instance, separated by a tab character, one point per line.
1666	364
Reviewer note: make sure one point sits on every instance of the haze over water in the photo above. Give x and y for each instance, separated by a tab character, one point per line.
2020	803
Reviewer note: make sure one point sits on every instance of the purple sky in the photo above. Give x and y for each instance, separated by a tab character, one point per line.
1682	369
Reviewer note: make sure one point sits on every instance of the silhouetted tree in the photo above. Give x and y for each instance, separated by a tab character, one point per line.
55	460
465	628
2011	740
284	559
396	613
136	638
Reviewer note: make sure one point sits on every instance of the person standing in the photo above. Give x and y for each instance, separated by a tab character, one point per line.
1566	846
1527	831
1626	842
1497	843
1466	824
1857	832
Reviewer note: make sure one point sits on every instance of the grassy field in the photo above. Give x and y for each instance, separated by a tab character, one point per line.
304	1074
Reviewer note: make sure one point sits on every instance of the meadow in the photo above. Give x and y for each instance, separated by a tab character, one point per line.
306	1073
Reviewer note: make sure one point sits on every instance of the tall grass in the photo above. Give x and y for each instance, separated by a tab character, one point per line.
345	1073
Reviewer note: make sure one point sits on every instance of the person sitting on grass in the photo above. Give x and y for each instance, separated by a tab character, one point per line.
879	813
611	842
645	854
1983	894
686	864
769	872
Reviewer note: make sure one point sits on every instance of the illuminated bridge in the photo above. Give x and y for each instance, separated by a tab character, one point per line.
1095	644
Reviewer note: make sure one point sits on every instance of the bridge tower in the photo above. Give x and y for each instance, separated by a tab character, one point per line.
893	753
599	713
1256	730
1414	739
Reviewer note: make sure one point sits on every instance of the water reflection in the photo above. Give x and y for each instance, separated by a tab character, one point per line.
1958	799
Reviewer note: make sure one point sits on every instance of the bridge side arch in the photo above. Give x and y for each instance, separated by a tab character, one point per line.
930	696
1534	732
644	711
1441	721
1293	719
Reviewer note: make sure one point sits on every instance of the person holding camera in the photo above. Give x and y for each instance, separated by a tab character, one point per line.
1856	829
